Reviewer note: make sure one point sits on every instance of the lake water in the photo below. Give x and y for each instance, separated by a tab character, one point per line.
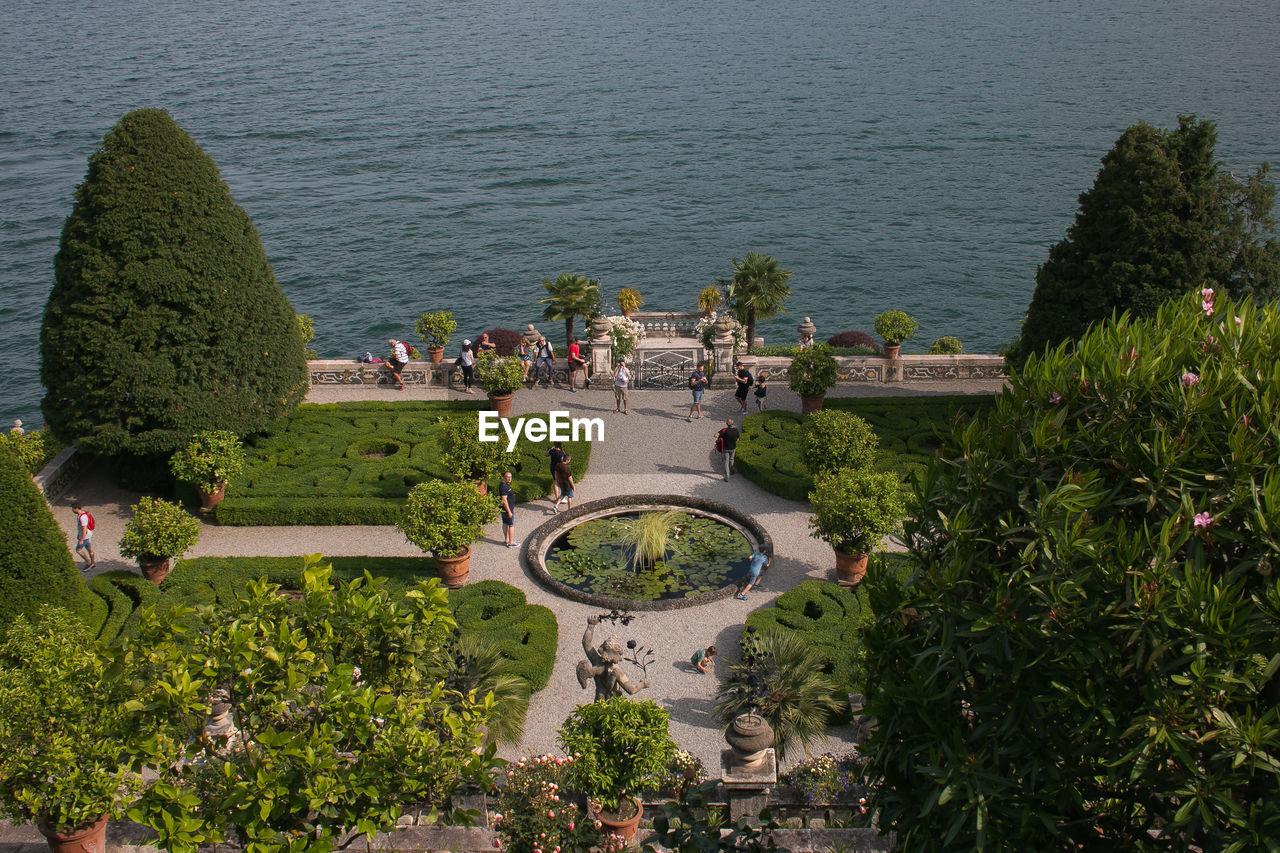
402	157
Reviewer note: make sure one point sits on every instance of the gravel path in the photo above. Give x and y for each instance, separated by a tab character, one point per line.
652	450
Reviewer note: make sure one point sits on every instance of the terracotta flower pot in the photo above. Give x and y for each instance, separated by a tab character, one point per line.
850	568
616	825
155	569
86	839
435	355
208	500
811	403
892	350
453	570
501	403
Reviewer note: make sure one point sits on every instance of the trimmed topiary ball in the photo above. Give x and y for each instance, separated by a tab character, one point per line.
946	345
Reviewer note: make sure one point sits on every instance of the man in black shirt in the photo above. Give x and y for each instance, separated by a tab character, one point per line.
557	455
507	497
729	438
744	380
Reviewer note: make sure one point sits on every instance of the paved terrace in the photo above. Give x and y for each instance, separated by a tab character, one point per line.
652	450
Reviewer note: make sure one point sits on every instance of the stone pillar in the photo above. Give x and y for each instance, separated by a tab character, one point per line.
746	789
722	349
601	352
807	330
530	335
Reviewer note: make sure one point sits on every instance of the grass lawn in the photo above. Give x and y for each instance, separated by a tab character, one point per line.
354	463
909	428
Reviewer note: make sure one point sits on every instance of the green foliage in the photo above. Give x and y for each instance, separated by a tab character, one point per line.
354	463
537	813
896	326
34	448
757	290
834	439
620	747
211	458
158	529
854	510
342	708
482	669
526	634
813	370
445	518
435	329
35	566
629	299
570	296
946	345
123	593
499	375
465	456
1086	652
692	826
826	778
780	677
165	317
307	330
1159	222
65	723
709	298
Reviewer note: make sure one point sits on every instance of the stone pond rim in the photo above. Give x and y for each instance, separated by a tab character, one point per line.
539	540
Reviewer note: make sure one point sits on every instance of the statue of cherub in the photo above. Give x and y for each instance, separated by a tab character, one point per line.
604	665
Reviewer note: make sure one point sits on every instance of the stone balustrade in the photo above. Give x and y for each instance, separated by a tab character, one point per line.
667	324
858	369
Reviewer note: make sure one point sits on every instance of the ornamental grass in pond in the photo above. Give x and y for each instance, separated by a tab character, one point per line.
650	556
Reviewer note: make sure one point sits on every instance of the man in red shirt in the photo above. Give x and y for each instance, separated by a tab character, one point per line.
576	363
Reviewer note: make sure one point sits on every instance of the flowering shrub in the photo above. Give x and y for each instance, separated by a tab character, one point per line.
539	816
705	331
826	778
684	771
627	335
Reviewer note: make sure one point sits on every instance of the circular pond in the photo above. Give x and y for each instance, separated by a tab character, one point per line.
698	551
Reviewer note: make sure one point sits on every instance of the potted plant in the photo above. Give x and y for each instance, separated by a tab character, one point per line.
620	748
812	372
158	532
852	512
535	814
444	519
65	722
709	299
435	329
629	300
895	327
210	459
500	376
468	458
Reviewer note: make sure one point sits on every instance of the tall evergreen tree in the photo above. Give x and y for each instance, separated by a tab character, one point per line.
35	565
1159	221
165	317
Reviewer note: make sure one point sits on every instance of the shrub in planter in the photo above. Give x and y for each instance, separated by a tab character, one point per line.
835	440
827	778
854	510
896	326
466	457
709	298
946	345
621	749
854	338
445	518
209	460
813	371
66	719
158	530
435	329
499	375
629	299
536	813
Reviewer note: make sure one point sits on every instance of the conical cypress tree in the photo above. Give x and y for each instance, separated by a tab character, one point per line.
165	317
35	565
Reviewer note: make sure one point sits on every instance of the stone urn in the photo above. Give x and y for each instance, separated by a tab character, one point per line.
749	736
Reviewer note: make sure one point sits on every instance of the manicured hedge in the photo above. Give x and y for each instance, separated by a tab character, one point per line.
526	633
354	463
910	429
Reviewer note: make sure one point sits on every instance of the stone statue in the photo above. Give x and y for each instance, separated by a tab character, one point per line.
604	665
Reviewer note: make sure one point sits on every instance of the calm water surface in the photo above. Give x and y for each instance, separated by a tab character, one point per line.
403	157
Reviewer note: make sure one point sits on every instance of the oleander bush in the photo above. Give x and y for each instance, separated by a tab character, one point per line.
354	463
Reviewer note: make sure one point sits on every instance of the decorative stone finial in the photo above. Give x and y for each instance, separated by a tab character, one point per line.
807	330
749	736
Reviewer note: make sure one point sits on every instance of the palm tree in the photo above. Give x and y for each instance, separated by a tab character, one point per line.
781	679
481	666
757	290
569	296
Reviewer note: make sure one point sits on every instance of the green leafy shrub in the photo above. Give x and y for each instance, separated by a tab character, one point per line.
854	510
536	813
526	634
165	317
813	371
435	329
835	439
896	326
445	518
620	746
307	330
34	448
946	345
158	529
35	566
1085	654
629	299
210	459
499	375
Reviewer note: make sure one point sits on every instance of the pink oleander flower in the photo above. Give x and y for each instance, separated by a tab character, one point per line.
1055	398
571	826
1202	521
1190	380
1239	321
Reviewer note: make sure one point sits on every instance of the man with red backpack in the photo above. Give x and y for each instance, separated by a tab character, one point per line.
84	534
727	443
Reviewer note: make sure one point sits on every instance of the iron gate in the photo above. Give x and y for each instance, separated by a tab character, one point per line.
664	370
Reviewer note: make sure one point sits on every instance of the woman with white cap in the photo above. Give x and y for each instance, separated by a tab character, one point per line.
467	361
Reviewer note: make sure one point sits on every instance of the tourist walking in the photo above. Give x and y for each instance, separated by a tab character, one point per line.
544	356
557	455
743	378
399	358
507	499
84	535
759	562
576	363
467	361
563	477
697	384
621	378
727	443
762	391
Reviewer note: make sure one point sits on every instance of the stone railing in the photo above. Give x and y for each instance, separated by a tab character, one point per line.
857	369
667	324
59	471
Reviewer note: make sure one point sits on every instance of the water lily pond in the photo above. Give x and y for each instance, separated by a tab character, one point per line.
701	554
